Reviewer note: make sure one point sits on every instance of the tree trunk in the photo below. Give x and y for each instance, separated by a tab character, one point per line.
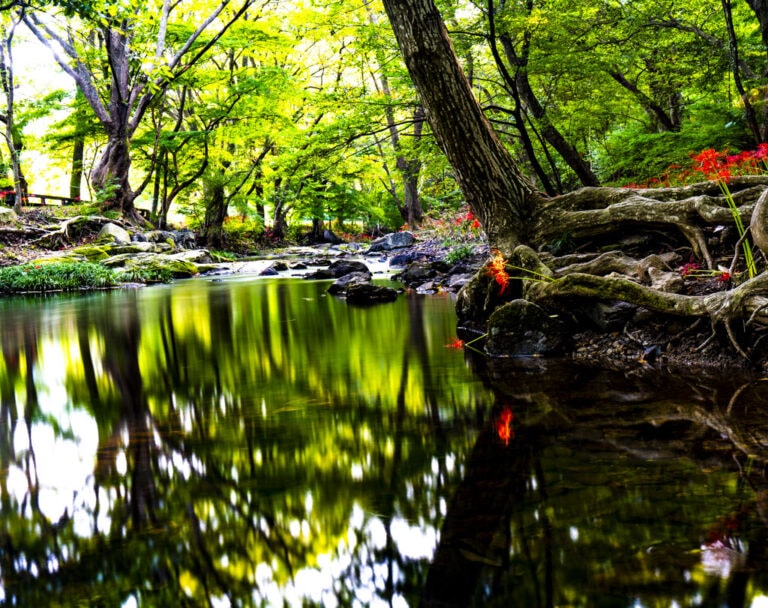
760	8
110	175
550	133
410	170
512	213
489	178
215	214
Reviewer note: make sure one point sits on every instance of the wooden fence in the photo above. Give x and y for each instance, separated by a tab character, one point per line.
8	197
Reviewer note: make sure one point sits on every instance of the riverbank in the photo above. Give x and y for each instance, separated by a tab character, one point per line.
430	264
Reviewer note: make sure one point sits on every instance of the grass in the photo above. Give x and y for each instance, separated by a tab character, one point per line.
56	276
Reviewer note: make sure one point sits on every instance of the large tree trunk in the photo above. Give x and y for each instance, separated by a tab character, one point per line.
110	176
491	182
526	228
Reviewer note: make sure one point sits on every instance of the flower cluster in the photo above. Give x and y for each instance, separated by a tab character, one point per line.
468	219
692	270
714	165
497	269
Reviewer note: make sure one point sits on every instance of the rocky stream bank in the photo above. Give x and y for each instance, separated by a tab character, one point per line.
605	334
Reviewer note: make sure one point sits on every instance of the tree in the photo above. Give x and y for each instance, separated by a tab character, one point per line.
518	221
12	134
491	181
139	51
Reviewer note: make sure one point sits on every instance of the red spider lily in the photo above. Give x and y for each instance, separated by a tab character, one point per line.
504	425
497	269
457	343
688	269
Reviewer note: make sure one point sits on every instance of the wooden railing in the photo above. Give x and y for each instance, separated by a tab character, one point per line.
8	197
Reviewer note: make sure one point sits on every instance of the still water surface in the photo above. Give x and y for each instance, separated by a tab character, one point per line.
255	442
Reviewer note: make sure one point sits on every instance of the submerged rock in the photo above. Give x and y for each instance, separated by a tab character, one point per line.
368	293
521	328
341	285
339	268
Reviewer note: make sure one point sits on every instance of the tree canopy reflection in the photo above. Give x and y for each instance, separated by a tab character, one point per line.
249	441
259	443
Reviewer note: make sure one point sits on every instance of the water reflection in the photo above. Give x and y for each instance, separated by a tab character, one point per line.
257	443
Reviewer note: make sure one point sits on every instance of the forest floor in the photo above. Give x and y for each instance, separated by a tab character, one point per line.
644	340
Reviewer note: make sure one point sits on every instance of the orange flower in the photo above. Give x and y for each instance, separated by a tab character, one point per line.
457	343
504	425
497	269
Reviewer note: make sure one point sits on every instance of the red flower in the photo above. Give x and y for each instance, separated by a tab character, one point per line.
497	270
688	268
457	344
761	152
504	425
724	277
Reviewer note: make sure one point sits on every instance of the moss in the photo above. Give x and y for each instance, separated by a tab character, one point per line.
93	253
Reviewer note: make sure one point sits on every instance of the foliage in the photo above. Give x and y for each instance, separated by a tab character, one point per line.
55	276
459	253
631	153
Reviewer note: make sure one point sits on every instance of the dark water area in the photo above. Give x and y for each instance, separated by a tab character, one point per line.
256	442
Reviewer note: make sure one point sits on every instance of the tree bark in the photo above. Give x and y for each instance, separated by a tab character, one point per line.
760	8
490	180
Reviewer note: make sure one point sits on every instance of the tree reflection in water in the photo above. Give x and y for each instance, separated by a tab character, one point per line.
259	443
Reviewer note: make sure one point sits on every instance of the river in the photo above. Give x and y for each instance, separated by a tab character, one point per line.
255	442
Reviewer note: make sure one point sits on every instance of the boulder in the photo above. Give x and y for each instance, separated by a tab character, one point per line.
342	284
417	273
368	293
394	240
521	328
7	216
180	265
339	268
330	237
112	233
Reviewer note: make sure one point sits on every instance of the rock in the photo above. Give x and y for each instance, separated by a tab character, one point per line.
669	282
160	236
521	328
112	233
342	284
181	265
401	260
417	273
337	269
368	293
8	216
185	239
330	237
394	240
608	316
274	269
